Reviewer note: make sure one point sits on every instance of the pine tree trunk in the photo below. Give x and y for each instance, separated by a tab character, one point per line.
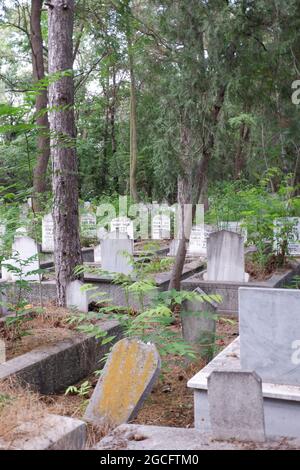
67	252
133	125
41	101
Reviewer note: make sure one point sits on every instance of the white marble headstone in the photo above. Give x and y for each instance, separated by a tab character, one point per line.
116	251
25	249
225	257
122	225
161	227
198	240
293	237
88	225
47	234
269	322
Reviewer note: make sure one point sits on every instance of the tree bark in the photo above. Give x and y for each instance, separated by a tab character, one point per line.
191	182
41	102
67	252
133	124
240	162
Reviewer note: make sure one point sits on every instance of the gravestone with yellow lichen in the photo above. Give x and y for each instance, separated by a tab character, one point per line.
126	381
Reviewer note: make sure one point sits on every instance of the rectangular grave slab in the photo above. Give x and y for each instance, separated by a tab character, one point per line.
51	432
236	406
270	333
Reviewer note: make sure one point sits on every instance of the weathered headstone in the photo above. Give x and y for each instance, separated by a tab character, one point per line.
161	227
2	352
122	225
236	406
88	225
128	377
25	252
173	247
77	297
270	333
198	319
198	240
47	234
291	225
116	253
225	257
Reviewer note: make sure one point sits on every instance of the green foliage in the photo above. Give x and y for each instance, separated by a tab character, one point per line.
258	208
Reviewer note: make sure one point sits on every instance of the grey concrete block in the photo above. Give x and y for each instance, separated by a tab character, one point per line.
236	406
198	319
281	402
51	432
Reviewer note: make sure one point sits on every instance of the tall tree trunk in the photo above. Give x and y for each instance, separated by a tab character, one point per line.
190	184
133	125
41	101
240	162
67	252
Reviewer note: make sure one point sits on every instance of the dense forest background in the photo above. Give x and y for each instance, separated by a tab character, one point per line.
199	91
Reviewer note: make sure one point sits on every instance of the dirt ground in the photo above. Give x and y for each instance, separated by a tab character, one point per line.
40	329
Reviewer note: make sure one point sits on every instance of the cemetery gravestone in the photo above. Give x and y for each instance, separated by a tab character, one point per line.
122	225
173	248
24	249
270	333
77	297
293	226
225	257
116	251
198	240
48	234
198	319
88	225
161	227
128	377
236	406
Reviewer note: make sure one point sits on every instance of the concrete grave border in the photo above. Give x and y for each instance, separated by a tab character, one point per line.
229	290
51	369
281	402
